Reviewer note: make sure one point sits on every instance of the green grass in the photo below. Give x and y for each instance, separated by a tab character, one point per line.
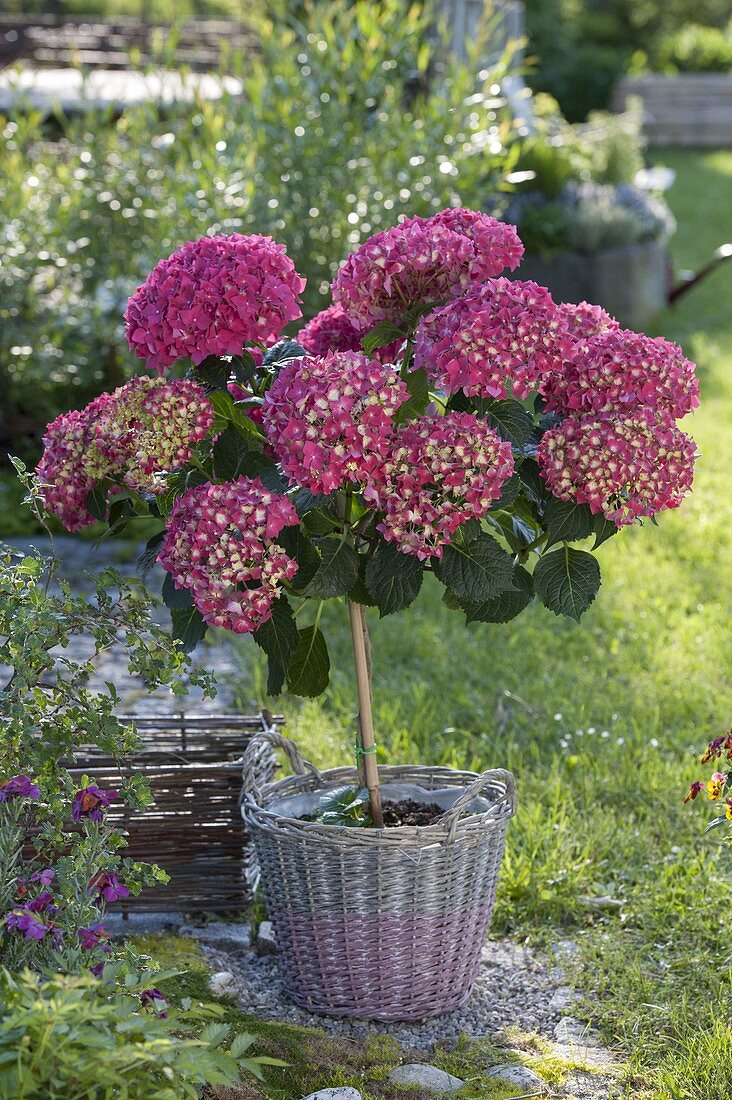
601	724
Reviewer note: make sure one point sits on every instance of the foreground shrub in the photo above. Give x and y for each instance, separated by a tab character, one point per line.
61	863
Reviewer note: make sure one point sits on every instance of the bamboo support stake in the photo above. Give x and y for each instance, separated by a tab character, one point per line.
365	717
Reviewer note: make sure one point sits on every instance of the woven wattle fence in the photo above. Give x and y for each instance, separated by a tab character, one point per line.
194	829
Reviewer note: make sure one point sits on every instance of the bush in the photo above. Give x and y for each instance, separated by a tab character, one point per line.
347	121
71	1038
697	49
60	862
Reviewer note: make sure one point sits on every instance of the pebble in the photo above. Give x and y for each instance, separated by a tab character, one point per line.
426	1076
342	1092
520	1076
266	939
222	984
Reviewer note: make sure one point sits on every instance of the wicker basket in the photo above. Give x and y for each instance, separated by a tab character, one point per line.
386	924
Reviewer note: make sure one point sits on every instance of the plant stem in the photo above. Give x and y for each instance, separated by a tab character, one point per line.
367	763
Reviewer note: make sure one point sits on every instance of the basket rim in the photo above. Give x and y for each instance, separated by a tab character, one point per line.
259	814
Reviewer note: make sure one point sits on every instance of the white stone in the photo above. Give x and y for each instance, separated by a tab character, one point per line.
222	983
266	939
428	1077
520	1076
341	1092
563	998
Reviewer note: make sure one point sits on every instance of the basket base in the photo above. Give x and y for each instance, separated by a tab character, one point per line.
386	966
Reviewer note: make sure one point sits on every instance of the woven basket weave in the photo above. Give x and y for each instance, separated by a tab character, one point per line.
379	924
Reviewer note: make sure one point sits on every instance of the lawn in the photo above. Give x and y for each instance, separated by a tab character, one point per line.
601	724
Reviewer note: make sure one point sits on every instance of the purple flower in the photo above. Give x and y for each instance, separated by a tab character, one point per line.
91	802
22	920
108	887
20	786
92	937
154	999
42	903
45	877
98	969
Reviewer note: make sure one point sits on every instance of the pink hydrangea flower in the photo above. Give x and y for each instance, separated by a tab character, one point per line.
333	330
495	341
211	297
329	419
63	474
617	371
585	319
220	545
143	429
423	260
148	428
440	472
625	466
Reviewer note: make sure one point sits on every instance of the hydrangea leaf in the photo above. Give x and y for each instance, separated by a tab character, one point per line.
383	333
309	669
278	637
566	521
393	579
603	530
509	418
188	627
476	569
419	396
296	543
567	581
338	569
507	605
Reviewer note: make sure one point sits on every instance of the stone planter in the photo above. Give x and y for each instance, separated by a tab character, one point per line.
630	282
383	924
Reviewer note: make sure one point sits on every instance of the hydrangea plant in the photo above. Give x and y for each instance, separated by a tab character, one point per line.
437	417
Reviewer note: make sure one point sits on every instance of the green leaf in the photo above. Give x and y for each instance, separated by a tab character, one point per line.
297	544
567	581
603	530
232	414
213	373
276	676
96	500
282	352
509	418
309	669
506	606
509	492
475	570
338	569
393	579
256	464
534	487
188	627
175	599
382	333
566	521
149	555
229	454
278	636
419	389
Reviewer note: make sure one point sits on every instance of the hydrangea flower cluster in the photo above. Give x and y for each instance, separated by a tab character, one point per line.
585	320
623	465
495	341
329	419
423	260
333	330
143	429
618	369
220	545
62	471
440	472
212	297
148	428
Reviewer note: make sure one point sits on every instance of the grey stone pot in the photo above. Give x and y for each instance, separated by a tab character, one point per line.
630	282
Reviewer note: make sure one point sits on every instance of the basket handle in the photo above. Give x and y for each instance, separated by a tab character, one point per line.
450	818
270	735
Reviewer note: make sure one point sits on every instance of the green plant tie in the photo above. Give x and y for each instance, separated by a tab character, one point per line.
361	751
